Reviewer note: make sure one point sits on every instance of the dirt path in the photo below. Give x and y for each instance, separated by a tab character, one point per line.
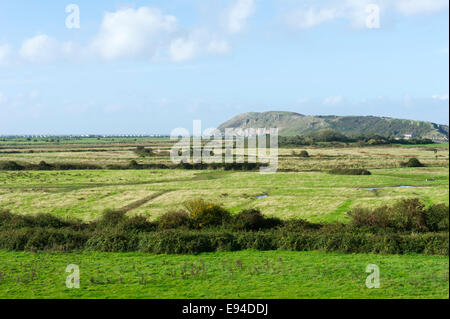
140	202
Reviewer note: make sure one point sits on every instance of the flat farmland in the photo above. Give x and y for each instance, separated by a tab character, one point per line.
316	196
303	188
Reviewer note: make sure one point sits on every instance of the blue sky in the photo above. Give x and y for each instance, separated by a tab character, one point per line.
150	66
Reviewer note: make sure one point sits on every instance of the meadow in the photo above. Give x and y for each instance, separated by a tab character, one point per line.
315	196
302	188
243	274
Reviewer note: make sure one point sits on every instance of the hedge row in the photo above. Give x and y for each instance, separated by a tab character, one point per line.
43	166
194	242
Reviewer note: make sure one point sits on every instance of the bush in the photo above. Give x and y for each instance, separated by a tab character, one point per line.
13	221
44	166
408	214
38	239
303	154
10	166
174	219
143	152
249	219
296	225
136	224
176	242
405	215
113	241
365	217
412	162
110	219
399	229
350	171
203	214
436	218
133	164
252	219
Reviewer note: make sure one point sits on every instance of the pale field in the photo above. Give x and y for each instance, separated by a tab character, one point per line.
316	196
320	158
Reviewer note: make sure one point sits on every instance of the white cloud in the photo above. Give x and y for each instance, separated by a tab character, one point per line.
40	48
412	7
333	100
133	33
195	43
354	11
238	14
142	33
182	49
5	53
305	19
441	97
149	33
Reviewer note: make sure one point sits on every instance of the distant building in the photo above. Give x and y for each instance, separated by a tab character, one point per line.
407	136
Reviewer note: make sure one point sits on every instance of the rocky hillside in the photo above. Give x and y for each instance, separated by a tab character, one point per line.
290	123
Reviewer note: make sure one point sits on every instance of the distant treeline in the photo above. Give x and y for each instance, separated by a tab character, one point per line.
334	136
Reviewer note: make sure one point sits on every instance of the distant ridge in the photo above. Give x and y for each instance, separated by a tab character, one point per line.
291	124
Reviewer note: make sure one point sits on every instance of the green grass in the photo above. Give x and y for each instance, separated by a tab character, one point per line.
244	274
316	196
308	193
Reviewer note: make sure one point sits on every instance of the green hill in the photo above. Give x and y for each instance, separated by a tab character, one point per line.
291	124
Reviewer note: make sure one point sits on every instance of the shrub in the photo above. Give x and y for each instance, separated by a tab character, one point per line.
349	171
364	217
11	166
44	166
174	219
249	219
136	224
133	164
408	214
143	152
37	239
110	219
437	217
296	225
252	219
13	221
303	154
412	162
176	242
113	241
405	215
203	214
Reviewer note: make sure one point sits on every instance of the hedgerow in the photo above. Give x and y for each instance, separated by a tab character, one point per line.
405	227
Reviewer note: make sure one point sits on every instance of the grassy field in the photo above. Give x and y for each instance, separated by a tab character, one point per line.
245	274
317	196
303	189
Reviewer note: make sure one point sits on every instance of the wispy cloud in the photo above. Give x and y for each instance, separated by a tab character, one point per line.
333	100
312	14
237	15
441	97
